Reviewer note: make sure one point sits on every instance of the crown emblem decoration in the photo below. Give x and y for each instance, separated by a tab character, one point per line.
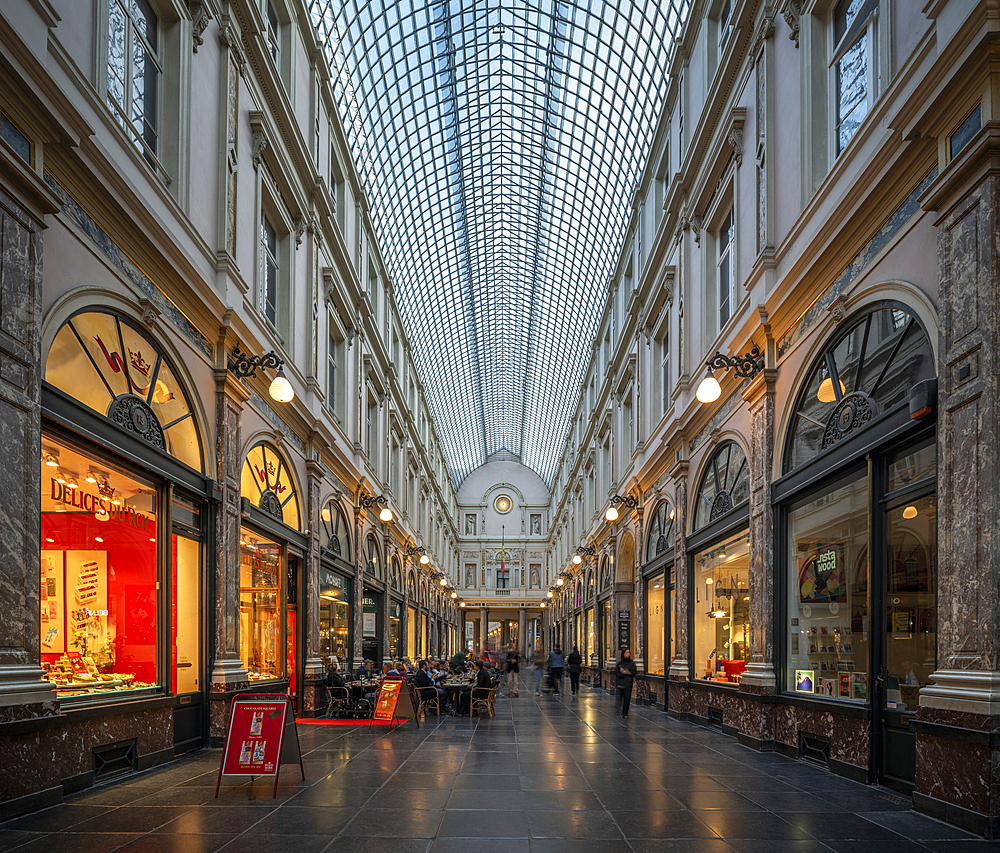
106	489
139	363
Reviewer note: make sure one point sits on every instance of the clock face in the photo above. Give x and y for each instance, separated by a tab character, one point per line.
503	504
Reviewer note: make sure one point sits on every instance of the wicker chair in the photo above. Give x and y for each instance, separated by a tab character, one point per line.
428	697
484	699
338	699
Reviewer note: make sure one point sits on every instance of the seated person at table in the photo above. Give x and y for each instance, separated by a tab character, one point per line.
423	679
392	674
401	668
366	671
333	676
483	684
458	662
409	666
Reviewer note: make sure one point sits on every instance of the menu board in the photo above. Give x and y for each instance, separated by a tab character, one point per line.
257	740
393	702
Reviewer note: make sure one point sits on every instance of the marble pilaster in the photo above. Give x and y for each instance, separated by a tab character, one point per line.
679	665
314	694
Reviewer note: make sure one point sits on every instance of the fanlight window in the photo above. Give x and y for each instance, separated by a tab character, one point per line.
423	593
267	483
867	371
334	537
590	584
373	557
661	531
724	485
113	368
605	574
396	576
411	585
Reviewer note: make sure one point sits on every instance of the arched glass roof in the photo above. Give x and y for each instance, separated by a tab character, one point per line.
500	144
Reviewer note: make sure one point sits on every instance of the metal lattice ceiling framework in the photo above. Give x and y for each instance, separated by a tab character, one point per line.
500	144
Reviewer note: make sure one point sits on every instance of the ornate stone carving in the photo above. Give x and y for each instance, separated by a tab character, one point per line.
271	504
838	308
735	140
662	545
332	548
721	505
150	313
300	229
852	413
258	144
765	31
199	20
791	13
131	413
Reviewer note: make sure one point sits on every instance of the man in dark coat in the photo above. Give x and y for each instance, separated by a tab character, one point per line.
625	672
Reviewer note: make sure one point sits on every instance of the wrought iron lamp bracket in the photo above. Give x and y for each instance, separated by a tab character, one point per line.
747	365
245	366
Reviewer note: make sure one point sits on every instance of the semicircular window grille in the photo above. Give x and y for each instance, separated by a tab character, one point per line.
724	485
661	531
334	537
266	481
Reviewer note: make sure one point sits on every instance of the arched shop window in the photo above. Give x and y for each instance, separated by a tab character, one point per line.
859	575
661	532
266	481
112	367
590	584
373	557
866	372
724	485
396	576
334	537
411	586
605	573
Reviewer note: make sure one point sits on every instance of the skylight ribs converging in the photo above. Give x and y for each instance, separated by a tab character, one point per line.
500	144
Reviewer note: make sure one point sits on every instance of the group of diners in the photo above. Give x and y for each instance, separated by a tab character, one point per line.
453	682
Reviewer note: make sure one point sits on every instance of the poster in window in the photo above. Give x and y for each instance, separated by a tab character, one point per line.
53	614
805	681
821	577
87	599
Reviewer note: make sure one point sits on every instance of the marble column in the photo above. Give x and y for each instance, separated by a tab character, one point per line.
313	674
957	751
484	629
759	395
679	666
386	602
359	586
521	636
228	673
23	693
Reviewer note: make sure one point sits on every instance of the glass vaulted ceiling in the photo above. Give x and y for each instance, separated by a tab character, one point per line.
499	144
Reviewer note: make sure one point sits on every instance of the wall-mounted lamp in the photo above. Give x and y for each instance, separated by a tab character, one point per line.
628	501
443	581
461	604
454	594
244	366
747	365
542	605
366	502
549	594
51	459
414	549
590	552
559	581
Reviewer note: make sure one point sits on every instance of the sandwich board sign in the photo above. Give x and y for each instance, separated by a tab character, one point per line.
394	701
260	738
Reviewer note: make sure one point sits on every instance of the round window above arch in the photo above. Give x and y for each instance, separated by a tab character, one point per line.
865	372
661	531
110	365
334	537
267	482
725	484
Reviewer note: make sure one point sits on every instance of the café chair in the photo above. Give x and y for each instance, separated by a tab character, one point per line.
338	699
482	698
428	696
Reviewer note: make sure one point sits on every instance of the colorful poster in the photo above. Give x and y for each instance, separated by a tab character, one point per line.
253	744
805	681
52	606
86	601
388	696
821	577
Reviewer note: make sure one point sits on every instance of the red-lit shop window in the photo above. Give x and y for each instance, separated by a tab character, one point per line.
99	599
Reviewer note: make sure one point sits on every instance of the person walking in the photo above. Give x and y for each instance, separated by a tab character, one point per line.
556	665
538	662
574	666
513	671
624	677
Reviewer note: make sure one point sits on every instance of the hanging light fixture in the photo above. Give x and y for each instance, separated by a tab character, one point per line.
747	366
245	366
281	389
366	502
629	501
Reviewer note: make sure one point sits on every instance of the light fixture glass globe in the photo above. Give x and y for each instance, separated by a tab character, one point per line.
424	559
461	604
549	594
542	605
611	514
709	390
444	581
559	581
281	389
385	515
454	595
826	394
577	559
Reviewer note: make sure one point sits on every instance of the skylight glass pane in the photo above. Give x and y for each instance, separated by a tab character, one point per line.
499	145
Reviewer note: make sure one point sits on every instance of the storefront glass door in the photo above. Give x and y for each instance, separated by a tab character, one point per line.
185	663
909	635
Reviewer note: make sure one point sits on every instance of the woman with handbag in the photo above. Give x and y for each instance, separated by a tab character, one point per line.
625	672
574	666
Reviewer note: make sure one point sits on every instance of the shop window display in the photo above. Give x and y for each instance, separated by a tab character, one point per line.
99	600
722	611
828	594
606	629
655	603
334	614
261	625
591	638
395	652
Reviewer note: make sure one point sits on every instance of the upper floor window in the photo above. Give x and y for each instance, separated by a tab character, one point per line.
725	21
273	33
134	72
268	271
661	531
724	485
853	65
725	269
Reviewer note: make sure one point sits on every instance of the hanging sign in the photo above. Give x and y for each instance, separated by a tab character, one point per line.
394	701
258	739
624	633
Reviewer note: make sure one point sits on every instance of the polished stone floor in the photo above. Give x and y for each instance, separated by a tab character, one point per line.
549	775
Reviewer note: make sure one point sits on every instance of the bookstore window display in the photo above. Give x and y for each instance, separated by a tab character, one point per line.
827	594
262	640
656	635
99	579
722	611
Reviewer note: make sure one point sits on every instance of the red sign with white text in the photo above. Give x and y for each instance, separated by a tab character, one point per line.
253	746
388	696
